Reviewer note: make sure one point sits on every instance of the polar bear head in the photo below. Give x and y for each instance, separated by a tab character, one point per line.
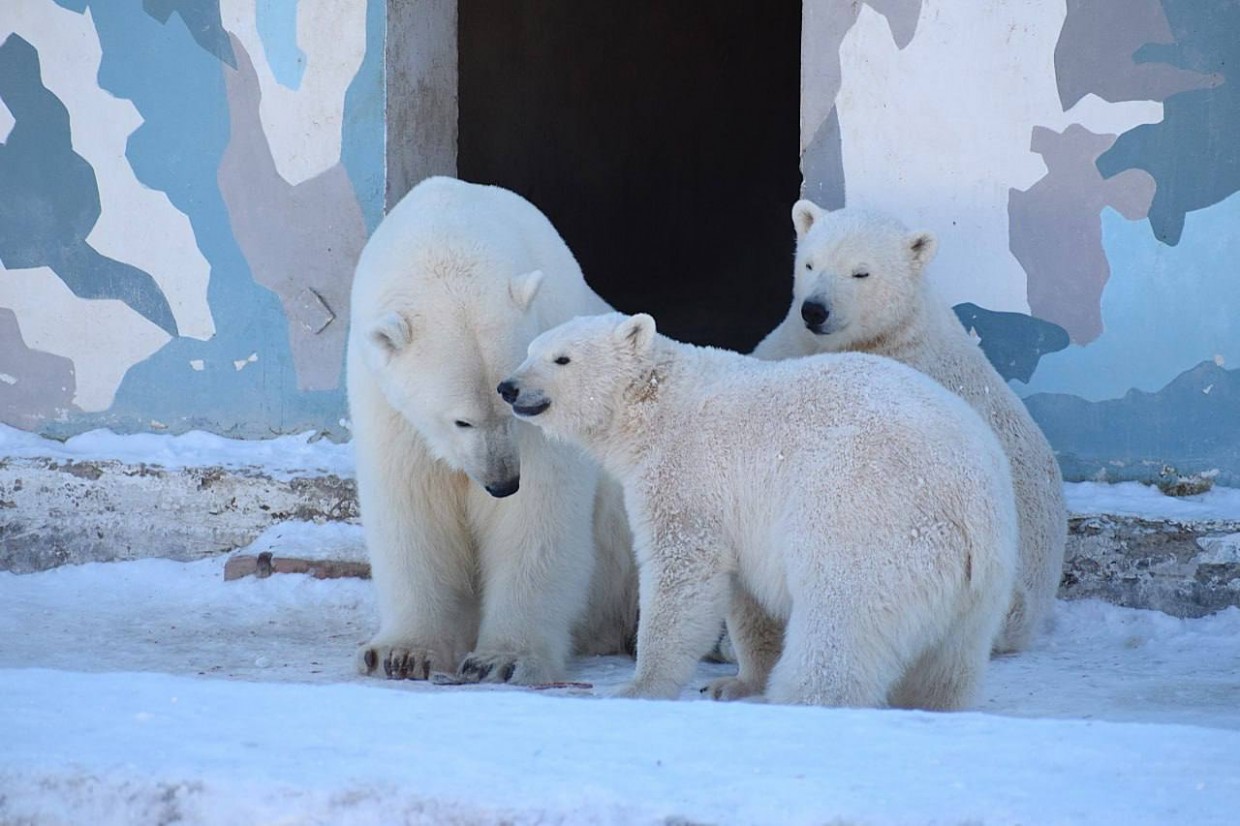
858	275
437	353
574	379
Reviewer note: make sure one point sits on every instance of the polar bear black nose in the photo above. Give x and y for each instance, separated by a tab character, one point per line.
815	314
501	489
508	391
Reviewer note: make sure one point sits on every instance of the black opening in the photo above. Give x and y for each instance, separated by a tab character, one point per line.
661	139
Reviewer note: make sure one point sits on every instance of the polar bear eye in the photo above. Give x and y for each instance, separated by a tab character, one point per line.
461	423
861	274
808	265
563	360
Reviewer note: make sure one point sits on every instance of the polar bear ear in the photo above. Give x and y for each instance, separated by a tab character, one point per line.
636	331
391	333
921	249
804	213
524	287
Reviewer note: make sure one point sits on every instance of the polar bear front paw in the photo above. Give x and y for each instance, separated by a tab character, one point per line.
646	690
730	688
403	662
507	667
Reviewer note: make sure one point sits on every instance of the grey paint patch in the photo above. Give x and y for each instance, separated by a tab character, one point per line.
1190	424
51	197
1186	569
1013	342
302	242
68	513
421	82
822	164
202	20
1056	227
902	16
1194	152
1095	53
34	386
363	131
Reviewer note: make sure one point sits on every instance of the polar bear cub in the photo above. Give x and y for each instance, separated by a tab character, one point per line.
493	550
860	285
849	496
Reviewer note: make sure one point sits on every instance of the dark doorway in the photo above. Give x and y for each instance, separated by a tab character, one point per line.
661	139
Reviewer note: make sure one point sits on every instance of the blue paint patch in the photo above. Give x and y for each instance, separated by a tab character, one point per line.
277	28
178	89
50	197
364	133
1164	308
1194	151
1190	425
202	19
1013	342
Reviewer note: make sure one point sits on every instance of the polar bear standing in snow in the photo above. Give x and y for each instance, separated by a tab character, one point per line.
860	286
491	548
850	497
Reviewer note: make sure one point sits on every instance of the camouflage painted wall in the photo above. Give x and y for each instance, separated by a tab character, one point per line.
185	186
1080	162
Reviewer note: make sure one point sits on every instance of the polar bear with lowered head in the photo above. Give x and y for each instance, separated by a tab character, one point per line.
491	549
850	497
860	285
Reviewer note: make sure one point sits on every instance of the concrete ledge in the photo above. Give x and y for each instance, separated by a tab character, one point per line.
1186	569
57	512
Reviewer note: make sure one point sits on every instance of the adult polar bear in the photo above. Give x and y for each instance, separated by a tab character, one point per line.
491	549
859	285
851	497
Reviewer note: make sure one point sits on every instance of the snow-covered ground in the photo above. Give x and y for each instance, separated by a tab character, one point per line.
155	692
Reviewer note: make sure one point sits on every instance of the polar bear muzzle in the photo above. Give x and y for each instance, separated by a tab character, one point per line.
511	393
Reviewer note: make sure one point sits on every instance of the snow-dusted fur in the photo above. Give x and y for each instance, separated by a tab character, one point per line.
866	272
450	289
847	496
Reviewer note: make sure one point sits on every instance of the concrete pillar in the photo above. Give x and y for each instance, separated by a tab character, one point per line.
421	89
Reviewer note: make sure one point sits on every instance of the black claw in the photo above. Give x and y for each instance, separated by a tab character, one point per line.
371	659
387	666
404	667
506	674
475	670
426	669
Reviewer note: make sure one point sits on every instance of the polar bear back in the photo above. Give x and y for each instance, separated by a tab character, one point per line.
851	446
460	239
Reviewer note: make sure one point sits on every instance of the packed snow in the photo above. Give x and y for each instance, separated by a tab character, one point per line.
155	692
280	457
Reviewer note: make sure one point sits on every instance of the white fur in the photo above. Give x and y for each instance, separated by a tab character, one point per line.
894	312
449	290
848	497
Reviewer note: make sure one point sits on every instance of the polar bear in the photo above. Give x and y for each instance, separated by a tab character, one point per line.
848	496
859	285
491	549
